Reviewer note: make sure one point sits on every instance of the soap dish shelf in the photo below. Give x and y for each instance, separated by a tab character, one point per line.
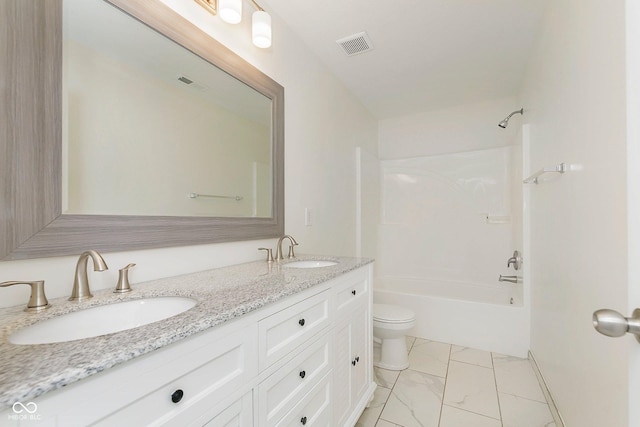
561	168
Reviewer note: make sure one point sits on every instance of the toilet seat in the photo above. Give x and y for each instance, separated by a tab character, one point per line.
387	313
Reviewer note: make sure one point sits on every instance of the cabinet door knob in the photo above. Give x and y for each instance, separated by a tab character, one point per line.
353	292
177	395
303	374
353	362
357	358
303	420
301	322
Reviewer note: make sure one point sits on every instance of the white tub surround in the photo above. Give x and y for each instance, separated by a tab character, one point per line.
466	314
449	216
230	302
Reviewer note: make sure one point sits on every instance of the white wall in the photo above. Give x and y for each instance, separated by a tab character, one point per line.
462	128
323	125
574	95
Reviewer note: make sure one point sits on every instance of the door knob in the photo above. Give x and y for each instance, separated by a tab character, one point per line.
613	324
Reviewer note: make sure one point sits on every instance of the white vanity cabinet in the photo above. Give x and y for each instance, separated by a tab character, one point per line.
305	360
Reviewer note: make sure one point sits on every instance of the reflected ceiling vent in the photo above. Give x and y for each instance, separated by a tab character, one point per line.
356	44
191	83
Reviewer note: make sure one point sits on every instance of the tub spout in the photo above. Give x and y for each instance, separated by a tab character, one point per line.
511	279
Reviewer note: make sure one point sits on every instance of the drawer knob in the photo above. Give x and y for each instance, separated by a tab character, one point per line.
303	420
301	322
353	292
177	395
303	374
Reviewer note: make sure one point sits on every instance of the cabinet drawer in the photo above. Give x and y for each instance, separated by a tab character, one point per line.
238	414
351	293
282	390
314	409
227	367
283	331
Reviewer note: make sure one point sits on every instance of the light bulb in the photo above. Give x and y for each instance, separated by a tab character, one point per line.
261	29
230	11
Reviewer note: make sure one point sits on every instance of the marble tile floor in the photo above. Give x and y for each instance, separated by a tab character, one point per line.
452	386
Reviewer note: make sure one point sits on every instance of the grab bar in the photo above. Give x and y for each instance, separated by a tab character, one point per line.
196	195
510	279
561	168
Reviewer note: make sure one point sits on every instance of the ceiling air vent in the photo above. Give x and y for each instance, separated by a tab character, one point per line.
356	44
191	83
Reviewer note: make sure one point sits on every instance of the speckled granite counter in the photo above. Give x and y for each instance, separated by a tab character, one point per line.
27	371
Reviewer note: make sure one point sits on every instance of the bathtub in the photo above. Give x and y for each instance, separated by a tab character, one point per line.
486	317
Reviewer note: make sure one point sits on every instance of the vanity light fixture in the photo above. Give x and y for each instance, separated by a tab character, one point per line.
261	28
231	12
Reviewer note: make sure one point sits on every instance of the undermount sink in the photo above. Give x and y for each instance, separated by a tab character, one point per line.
309	264
102	320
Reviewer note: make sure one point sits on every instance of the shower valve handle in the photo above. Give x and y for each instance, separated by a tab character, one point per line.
516	260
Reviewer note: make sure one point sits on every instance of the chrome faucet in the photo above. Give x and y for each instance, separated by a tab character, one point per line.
81	283
279	256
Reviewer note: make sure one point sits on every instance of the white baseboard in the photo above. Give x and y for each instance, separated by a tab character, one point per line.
557	418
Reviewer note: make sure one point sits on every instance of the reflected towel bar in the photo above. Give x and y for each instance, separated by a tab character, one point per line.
196	195
561	168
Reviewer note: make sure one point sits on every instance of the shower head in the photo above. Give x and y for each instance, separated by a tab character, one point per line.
503	124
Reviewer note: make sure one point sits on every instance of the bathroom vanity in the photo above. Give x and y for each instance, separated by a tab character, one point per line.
265	345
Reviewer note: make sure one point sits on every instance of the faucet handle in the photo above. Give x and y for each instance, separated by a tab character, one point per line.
269	253
123	280
516	260
291	254
38	300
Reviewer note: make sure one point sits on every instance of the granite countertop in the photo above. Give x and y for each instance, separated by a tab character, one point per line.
222	294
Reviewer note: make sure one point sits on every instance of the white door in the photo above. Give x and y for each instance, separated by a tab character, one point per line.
633	194
633	200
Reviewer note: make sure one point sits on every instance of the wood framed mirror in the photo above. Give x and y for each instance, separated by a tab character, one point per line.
33	218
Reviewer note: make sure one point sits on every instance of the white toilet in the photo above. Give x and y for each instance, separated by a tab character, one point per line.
391	323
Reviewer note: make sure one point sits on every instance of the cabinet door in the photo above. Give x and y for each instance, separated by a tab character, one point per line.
342	373
351	371
360	353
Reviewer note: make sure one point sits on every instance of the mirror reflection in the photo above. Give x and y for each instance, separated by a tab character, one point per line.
149	128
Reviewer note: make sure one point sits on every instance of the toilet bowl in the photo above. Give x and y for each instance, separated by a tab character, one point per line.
391	323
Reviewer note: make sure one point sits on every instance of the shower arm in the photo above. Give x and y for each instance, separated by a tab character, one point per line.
520	111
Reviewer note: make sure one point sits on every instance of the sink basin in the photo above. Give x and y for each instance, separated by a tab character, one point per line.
309	264
102	320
